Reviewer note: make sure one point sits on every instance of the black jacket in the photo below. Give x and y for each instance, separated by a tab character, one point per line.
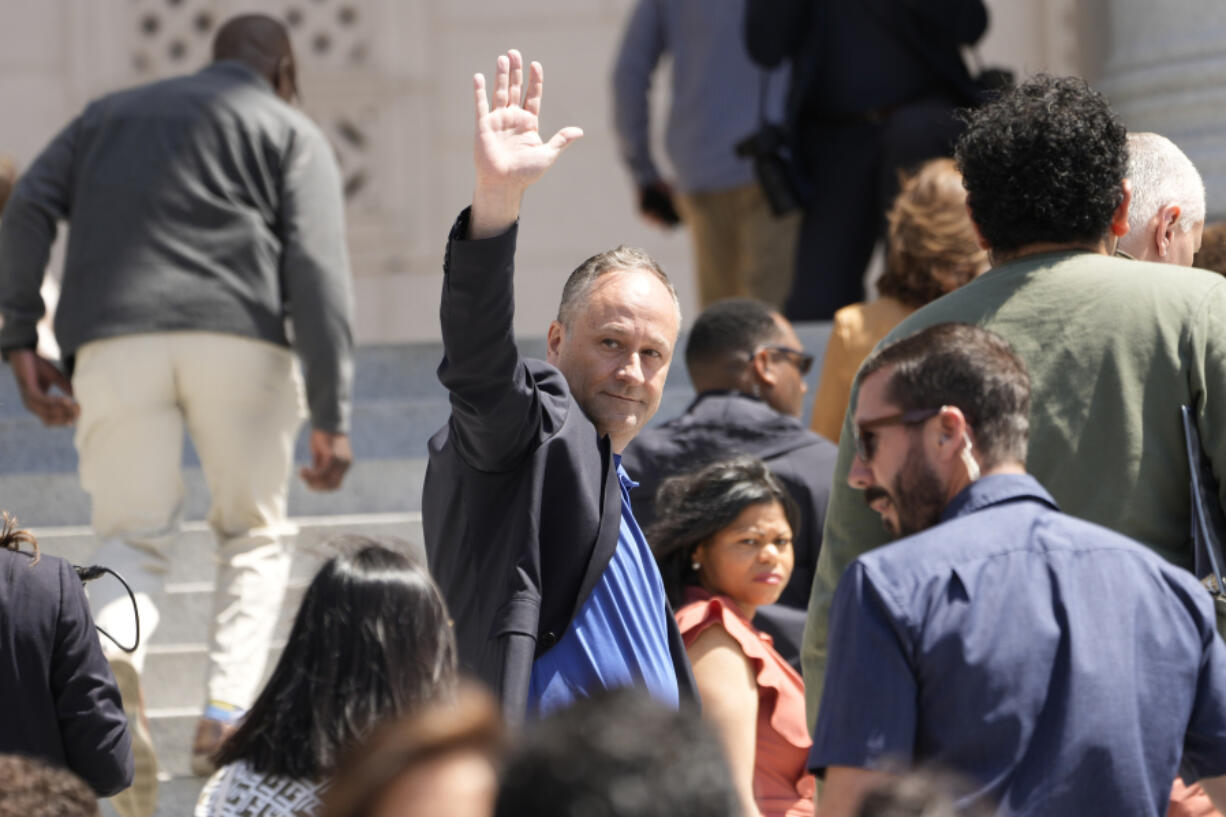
521	507
58	699
907	49
722	423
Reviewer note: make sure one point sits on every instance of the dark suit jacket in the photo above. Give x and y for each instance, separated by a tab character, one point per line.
58	699
910	48
521	508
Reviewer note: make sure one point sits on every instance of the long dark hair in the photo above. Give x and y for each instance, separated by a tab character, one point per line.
372	639
691	508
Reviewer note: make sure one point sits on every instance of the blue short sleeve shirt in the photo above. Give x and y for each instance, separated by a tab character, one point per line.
1065	668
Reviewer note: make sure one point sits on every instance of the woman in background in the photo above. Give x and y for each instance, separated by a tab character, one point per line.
931	249
372	640
723	540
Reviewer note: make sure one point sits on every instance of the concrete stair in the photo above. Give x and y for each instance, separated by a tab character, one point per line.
398	405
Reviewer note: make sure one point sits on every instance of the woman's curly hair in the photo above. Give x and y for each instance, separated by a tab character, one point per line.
931	244
1043	163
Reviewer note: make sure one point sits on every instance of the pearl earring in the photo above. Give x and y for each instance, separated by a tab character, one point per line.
694	566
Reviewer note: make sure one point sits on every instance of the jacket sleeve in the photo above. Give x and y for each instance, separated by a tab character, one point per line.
776	29
852	528
1205	347
41	199
93	727
315	273
497	411
642	45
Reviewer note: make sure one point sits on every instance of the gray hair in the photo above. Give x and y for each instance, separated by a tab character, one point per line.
1162	174
574	292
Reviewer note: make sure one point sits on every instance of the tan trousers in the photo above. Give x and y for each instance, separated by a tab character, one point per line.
242	402
740	247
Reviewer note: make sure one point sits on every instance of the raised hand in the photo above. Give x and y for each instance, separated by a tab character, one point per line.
508	152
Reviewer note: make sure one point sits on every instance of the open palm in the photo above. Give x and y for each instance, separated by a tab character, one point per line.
508	151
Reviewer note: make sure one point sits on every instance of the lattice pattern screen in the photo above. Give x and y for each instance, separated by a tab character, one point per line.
329	36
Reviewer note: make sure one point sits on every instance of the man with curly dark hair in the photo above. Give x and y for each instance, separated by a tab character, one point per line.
1045	166
1114	347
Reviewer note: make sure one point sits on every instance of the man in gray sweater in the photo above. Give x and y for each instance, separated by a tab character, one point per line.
205	212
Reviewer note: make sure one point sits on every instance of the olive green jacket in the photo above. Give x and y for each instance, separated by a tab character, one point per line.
1113	347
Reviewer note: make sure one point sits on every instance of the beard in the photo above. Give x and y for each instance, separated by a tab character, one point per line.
917	495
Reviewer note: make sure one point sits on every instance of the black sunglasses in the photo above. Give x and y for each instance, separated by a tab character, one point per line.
866	440
801	359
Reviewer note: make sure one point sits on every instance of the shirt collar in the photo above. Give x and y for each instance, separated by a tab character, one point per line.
622	476
995	490
237	68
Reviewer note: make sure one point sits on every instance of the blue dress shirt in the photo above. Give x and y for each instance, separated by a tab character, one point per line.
620	635
1063	667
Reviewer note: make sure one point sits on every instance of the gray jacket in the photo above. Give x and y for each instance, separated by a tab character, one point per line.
202	202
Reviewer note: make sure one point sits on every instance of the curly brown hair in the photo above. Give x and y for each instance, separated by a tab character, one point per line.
1212	252
931	245
33	788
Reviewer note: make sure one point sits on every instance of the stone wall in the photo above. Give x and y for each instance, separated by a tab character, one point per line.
1165	71
389	82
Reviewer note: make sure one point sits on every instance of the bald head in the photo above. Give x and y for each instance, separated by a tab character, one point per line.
262	43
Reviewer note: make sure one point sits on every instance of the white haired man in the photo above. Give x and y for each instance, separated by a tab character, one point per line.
1167	215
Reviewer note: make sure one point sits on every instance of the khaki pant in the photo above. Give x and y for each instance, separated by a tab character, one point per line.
740	247
241	401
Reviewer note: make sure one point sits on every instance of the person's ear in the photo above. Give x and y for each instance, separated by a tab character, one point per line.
1164	231
951	426
285	79
1119	219
762	369
553	342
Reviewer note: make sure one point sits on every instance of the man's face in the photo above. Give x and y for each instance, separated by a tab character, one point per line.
787	395
616	351
899	481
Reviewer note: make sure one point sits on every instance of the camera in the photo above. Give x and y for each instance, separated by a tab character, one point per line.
774	167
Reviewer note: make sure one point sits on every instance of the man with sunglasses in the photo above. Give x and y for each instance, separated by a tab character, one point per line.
748	368
1064	669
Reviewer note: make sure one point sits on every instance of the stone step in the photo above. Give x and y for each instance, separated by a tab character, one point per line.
176	797
398	405
174	677
381	429
186	610
42	500
172	732
191	558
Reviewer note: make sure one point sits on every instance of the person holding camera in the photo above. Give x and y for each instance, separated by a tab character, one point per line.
742	247
874	89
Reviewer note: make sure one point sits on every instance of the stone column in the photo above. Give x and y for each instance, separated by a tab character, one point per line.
1164	71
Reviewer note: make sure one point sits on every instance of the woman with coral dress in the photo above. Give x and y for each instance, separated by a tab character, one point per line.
723	539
